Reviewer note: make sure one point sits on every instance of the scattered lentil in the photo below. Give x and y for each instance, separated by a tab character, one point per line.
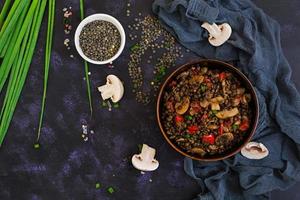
152	37
36	145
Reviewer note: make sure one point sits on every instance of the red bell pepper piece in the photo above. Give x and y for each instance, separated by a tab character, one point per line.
179	119
244	125
222	76
193	129
221	129
210	139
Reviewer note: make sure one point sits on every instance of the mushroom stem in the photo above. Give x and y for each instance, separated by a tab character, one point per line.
213	29
145	161
106	91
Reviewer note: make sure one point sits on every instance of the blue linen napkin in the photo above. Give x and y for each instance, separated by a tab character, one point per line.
254	47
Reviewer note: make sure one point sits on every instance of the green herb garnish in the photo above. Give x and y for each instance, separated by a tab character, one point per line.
116	105
235	127
110	190
135	47
104	104
98	186
188	117
203	88
36	145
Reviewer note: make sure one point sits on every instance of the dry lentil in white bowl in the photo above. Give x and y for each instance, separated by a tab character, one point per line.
100	39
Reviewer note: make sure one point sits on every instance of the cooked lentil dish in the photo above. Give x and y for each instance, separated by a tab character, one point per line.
206	112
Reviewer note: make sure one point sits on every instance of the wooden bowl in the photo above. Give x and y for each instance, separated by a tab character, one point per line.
212	64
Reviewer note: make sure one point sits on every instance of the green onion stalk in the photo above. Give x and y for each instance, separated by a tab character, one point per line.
86	66
20	24
51	18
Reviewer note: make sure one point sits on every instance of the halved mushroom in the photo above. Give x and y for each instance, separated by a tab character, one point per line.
198	150
113	89
145	160
218	34
218	99
254	150
240	91
204	103
214	102
182	106
196	79
225	138
246	98
224	114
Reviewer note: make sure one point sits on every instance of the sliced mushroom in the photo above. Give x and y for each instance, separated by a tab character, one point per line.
214	102
225	138
254	150
182	106
215	106
224	114
113	89
145	160
240	91
180	140
212	127
218	34
218	99
196	79
236	101
198	150
204	103
195	108
246	98
204	70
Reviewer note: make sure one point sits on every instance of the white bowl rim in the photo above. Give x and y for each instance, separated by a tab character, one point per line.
105	17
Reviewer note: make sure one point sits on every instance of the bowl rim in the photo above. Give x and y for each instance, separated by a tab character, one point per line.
227	66
105	17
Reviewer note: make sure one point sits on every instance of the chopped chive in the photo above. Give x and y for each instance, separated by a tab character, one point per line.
116	105
235	127
135	47
203	88
188	117
110	190
104	104
98	186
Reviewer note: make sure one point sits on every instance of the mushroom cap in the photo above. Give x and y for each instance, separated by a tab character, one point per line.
118	88
145	160
255	150
223	37
113	89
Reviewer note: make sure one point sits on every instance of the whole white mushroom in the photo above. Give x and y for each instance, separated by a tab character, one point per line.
113	89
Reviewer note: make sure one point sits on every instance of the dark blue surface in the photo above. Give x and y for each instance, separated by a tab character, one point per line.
67	168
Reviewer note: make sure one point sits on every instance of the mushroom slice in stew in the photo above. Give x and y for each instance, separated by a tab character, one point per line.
183	106
224	138
227	113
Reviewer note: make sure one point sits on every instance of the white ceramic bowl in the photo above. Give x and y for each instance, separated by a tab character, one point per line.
104	17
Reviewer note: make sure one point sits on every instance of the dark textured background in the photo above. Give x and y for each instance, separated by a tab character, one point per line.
67	168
